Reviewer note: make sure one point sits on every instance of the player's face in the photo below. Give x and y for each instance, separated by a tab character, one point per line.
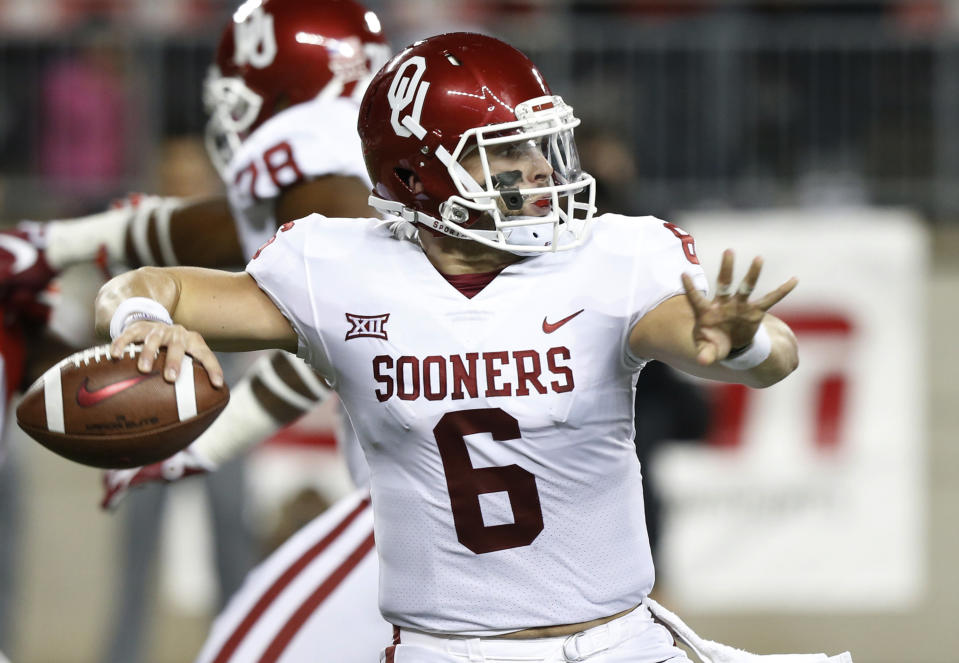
515	165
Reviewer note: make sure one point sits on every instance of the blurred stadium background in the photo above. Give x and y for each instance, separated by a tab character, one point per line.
820	516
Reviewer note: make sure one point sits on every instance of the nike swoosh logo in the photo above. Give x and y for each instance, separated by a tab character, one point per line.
550	327
24	253
87	398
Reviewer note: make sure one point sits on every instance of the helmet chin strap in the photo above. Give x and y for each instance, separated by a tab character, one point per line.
413	216
520	236
443	226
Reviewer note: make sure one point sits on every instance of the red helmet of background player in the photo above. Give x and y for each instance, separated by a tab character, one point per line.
277	53
462	94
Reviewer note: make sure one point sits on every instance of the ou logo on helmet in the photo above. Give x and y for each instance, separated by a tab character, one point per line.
255	40
408	87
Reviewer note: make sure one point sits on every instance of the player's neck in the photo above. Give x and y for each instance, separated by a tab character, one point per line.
463	256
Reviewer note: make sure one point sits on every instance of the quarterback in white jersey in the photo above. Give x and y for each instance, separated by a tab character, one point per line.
498	428
486	360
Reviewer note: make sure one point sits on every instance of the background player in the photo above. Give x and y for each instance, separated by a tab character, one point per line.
282	134
462	137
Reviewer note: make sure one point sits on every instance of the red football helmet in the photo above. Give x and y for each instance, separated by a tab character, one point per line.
459	100
277	53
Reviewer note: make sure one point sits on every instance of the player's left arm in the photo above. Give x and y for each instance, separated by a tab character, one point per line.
731	338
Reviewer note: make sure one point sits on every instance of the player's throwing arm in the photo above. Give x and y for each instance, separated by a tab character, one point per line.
202	306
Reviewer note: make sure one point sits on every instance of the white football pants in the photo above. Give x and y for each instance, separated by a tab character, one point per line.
632	638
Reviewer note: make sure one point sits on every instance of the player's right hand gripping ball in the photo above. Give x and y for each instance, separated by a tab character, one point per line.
101	411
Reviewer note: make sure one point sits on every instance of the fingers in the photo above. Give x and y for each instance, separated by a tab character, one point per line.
182	342
132	334
694	296
202	353
711	345
749	281
707	353
768	300
178	342
724	284
174	360
153	340
746	287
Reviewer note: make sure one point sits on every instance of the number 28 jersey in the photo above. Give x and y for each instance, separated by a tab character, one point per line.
498	429
306	141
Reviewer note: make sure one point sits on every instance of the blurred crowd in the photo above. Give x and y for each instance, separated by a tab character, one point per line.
719	102
50	16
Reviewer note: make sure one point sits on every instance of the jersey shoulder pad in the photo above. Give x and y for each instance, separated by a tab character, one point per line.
628	235
658	253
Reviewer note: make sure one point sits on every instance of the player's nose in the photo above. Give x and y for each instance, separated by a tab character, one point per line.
540	170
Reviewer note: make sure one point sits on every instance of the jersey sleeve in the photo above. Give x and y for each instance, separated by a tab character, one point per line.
281	270
665	253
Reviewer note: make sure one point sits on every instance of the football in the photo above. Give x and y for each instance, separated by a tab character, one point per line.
99	410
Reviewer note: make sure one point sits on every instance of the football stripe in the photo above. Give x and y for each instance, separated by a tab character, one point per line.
185	390
53	399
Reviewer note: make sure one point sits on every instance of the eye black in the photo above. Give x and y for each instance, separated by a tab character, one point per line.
506	179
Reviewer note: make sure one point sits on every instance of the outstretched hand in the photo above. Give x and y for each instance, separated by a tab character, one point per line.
730	320
177	340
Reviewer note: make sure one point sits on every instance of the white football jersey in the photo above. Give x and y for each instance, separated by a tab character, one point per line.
498	429
308	140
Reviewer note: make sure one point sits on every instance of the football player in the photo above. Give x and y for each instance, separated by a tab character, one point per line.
282	99
485	345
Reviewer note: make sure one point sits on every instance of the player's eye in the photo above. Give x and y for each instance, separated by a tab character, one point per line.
507	180
512	151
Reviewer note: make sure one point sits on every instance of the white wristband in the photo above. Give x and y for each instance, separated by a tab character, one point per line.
135	309
754	354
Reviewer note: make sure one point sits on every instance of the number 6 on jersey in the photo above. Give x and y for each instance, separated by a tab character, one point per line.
466	483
